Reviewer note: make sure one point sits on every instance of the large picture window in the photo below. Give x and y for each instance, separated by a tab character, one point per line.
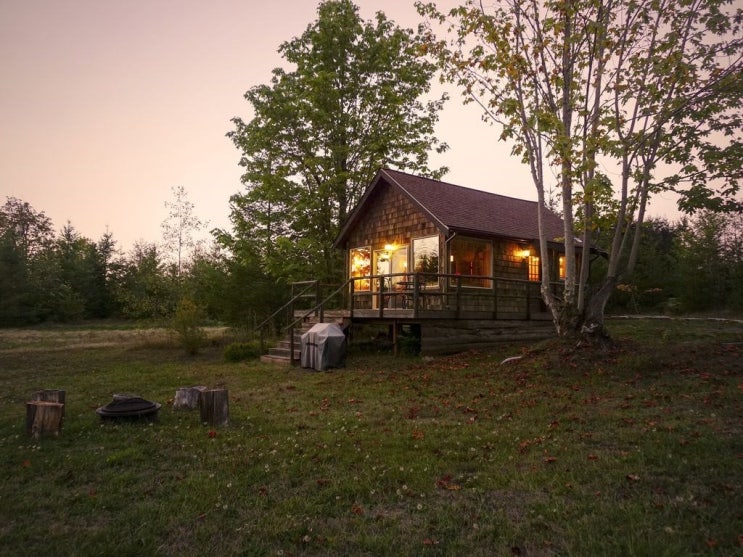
472	258
360	266
426	259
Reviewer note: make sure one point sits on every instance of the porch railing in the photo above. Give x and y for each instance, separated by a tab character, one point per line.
300	291
458	294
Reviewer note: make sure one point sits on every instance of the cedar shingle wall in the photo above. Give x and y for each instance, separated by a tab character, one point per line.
507	264
390	218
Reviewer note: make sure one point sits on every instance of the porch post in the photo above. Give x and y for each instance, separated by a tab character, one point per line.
351	302
459	295
380	304
317	300
416	283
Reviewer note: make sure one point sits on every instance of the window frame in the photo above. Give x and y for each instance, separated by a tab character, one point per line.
428	282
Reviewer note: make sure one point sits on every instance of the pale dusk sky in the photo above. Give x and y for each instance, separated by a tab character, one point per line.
106	105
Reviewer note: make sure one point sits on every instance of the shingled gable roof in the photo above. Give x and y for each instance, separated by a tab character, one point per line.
458	209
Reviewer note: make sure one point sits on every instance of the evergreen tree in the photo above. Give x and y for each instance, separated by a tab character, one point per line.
146	290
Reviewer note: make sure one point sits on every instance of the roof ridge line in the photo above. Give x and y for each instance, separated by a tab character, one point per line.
451	184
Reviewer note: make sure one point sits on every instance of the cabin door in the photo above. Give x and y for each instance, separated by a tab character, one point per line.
389	266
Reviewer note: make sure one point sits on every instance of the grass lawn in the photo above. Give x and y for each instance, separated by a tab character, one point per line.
636	451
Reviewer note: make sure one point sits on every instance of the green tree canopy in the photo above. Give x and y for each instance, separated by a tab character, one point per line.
29	230
648	89
25	235
319	132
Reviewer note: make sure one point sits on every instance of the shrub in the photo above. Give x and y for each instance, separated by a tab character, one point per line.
238	351
188	317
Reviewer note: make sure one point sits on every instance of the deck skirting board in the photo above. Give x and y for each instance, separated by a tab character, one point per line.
447	337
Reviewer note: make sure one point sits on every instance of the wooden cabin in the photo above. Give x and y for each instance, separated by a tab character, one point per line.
461	264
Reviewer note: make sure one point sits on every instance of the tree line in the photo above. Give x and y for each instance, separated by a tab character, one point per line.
48	276
693	265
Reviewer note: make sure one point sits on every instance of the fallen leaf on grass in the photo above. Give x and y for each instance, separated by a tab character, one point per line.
445	482
357	510
593	457
429	541
633	477
26	463
417	434
550	459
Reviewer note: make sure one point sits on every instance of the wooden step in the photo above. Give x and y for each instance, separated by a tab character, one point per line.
268	359
279	354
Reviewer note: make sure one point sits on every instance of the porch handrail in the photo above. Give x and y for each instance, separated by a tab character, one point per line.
310	284
318	309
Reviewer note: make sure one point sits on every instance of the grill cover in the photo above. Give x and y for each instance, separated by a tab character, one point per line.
323	347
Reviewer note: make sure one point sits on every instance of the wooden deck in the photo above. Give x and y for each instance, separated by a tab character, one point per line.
450	319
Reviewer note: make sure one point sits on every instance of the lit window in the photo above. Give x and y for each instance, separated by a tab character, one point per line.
360	266
472	258
533	268
561	267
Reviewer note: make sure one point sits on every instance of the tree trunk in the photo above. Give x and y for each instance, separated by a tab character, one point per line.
565	316
187	398
214	407
592	328
44	418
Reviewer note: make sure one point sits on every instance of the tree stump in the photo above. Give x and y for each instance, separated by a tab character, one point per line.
187	398
214	407
44	418
50	395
